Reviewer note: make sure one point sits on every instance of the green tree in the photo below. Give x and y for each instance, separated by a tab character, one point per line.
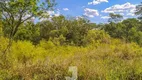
139	11
16	12
131	27
115	17
129	30
28	31
111	29
96	37
77	30
54	28
73	30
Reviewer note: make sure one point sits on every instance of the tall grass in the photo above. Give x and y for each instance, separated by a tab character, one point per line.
115	60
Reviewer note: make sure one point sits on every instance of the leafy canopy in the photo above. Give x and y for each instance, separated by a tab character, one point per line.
15	12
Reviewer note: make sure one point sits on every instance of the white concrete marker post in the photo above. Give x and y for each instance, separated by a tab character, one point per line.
72	69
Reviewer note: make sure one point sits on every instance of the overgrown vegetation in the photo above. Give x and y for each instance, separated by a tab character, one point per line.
45	50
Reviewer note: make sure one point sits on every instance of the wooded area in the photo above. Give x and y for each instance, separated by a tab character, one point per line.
45	50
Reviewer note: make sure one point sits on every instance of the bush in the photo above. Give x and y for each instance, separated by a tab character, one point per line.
47	61
96	36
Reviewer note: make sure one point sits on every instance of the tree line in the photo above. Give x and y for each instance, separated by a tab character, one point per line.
16	25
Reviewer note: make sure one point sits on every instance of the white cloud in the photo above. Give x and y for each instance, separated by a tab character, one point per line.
65	9
47	15
91	12
57	13
50	12
78	17
123	9
122	14
95	2
130	14
26	16
125	18
105	17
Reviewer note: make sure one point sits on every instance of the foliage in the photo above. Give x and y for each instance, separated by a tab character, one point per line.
139	11
72	30
128	30
45	50
96	36
28	31
16	12
1	33
116	60
115	17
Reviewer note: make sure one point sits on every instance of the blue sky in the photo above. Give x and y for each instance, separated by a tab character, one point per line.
96	10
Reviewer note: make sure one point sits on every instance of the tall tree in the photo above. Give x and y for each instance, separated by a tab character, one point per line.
16	12
28	31
115	17
139	11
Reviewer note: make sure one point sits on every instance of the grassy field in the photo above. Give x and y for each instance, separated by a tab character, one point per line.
115	60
